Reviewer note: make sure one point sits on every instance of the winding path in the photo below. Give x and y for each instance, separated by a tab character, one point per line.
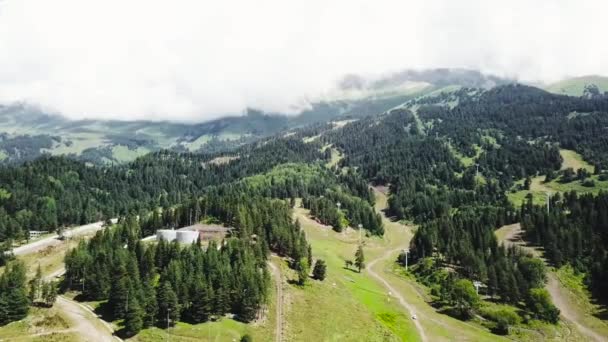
276	272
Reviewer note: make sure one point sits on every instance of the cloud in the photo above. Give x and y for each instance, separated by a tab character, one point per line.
197	60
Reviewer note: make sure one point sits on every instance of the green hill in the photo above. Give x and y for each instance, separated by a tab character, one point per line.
576	86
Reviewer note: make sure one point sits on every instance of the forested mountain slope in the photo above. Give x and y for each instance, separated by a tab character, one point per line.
449	158
27	132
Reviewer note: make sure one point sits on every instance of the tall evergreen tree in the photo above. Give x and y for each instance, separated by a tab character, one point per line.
168	306
359	258
133	318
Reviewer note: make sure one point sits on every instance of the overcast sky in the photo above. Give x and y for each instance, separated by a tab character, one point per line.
197	60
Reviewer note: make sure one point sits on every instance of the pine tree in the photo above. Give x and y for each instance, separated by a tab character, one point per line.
44	292
133	318
320	269
150	304
360	258
50	295
119	294
35	286
4	310
13	289
309	254
201	306
303	269
168	307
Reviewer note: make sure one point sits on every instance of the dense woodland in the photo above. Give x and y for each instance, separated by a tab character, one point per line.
54	192
511	132
159	284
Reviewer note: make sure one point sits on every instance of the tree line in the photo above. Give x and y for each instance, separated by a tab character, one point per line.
54	192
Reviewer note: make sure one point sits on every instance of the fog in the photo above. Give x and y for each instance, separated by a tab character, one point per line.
198	60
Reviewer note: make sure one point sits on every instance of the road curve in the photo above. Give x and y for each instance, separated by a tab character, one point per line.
83	319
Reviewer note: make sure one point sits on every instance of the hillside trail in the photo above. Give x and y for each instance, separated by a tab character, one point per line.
276	273
397	294
512	235
85	322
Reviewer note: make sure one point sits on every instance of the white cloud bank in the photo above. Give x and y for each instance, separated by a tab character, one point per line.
197	60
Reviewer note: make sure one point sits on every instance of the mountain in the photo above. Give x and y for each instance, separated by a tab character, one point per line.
576	86
27	132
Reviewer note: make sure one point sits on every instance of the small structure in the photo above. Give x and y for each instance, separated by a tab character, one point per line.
209	231
187	236
192	233
34	234
166	234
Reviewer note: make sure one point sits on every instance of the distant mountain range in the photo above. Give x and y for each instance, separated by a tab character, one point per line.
27	132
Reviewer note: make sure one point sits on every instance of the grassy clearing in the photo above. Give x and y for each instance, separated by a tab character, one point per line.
80	142
50	259
342	123
222	330
336	156
123	154
198	143
466	161
308	140
574	160
348	305
419	124
42	324
539	188
575	86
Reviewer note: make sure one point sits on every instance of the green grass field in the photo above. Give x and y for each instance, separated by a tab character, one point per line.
539	188
575	86
348	305
222	330
42	324
123	154
80	142
574	160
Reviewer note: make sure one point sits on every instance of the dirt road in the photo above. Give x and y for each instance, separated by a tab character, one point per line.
54	239
276	273
512	235
559	299
85	323
388	254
